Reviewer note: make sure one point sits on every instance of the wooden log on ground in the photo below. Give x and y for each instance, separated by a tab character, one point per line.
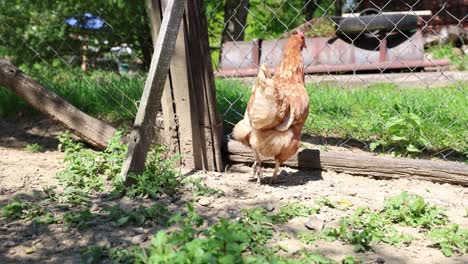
363	165
92	130
304	159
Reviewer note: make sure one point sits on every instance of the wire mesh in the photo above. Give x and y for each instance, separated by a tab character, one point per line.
383	76
397	89
95	55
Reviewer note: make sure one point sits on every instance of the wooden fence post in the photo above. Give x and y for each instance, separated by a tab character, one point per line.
143	128
203	85
191	120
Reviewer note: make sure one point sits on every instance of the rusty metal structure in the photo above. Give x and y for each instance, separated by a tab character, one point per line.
241	59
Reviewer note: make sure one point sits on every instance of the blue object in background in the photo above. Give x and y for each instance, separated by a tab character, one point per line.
86	21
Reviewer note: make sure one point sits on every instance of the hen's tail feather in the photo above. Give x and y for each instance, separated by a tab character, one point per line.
241	132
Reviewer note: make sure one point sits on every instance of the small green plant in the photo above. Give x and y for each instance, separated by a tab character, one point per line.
309	237
351	260
291	210
403	131
450	239
27	211
80	219
138	216
412	210
34	148
199	188
92	254
324	201
159	176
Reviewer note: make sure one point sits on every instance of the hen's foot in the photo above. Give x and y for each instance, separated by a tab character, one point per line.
259	175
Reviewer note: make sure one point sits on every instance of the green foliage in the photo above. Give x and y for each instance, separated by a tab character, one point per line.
411	209
447	51
78	219
403	131
407	120
322	28
27	211
116	216
365	227
34	148
450	239
97	254
86	169
324	201
92	171
33	32
102	94
224	242
351	260
119	217
159	176
92	254
291	210
199	188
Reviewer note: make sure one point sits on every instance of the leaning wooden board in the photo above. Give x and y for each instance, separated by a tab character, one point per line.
363	165
92	130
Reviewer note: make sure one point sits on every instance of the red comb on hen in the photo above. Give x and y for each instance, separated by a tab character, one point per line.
300	33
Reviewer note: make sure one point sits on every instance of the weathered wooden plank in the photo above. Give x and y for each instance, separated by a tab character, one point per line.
150	103
201	74
363	165
92	130
381	167
305	158
169	135
185	108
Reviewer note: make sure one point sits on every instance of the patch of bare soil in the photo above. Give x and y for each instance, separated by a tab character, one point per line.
25	174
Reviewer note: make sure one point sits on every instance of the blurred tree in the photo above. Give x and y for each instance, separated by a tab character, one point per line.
31	31
235	19
310	7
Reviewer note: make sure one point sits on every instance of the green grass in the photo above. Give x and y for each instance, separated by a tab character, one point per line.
398	120
460	61
34	148
103	94
392	117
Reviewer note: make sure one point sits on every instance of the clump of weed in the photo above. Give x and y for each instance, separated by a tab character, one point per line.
199	188
27	211
90	171
450	239
34	148
403	131
410	209
158	177
86	169
291	210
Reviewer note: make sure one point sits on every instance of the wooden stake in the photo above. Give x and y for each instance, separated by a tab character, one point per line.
143	128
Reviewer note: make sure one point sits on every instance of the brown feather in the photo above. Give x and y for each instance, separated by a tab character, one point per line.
278	107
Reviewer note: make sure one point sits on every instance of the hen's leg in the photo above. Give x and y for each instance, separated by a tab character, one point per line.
274	178
258	168
254	168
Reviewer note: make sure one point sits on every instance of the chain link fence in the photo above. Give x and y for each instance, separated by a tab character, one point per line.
95	55
382	76
386	76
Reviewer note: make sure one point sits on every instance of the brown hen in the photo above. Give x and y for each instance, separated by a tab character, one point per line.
277	110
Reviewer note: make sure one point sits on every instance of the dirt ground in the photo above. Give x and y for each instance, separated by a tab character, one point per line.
26	174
